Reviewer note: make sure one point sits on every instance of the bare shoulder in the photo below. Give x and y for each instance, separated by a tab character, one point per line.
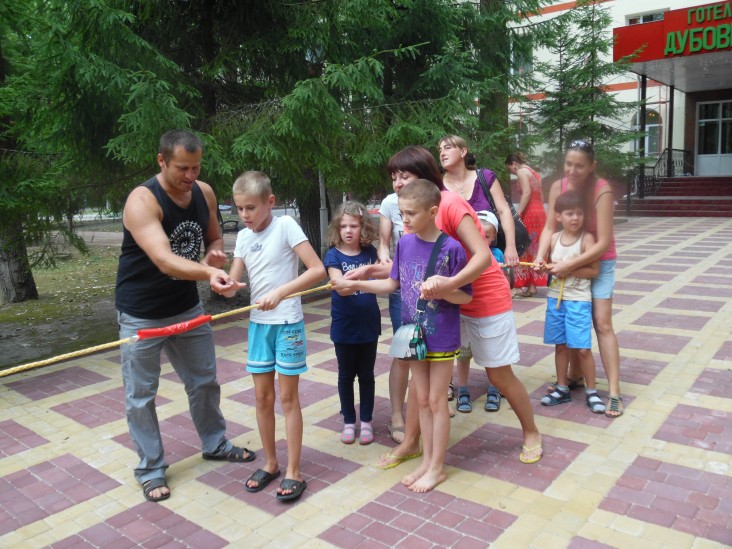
207	190
587	240
141	197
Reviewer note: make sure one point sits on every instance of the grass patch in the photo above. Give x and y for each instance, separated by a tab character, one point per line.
75	309
77	282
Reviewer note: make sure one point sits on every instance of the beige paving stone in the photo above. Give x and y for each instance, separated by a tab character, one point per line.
25	533
287	539
548	541
315	544
629	525
523	531
701	543
273	529
65	529
622	540
668	537
317	524
248	516
602	518
546	508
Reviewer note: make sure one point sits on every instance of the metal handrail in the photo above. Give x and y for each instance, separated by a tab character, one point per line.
646	182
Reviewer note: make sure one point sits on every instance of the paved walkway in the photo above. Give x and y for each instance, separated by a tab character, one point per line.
660	476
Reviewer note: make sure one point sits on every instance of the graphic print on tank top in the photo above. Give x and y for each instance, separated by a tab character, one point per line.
186	240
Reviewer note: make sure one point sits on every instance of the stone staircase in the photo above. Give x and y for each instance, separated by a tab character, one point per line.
684	197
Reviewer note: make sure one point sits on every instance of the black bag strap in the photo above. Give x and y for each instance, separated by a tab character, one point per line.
430	270
486	190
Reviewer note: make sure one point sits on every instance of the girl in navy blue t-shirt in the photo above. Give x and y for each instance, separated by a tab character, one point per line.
355	319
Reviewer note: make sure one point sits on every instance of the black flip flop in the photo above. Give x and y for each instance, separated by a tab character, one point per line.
262	478
235	455
152	484
297	487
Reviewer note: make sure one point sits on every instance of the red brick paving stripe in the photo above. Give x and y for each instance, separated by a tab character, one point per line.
655	342
100	409
666	320
56	383
319	469
180	439
15	438
380	422
47	488
705	291
400	518
640	371
698	427
145	525
713	382
724	352
674	496
683	304
493	450
230	335
311	392
226	371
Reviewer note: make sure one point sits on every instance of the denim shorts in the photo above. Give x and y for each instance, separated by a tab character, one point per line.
395	309
604	284
277	347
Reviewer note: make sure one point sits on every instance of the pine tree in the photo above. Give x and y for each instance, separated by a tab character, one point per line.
576	104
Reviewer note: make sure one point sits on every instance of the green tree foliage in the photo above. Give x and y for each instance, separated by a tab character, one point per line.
576	104
302	89
83	101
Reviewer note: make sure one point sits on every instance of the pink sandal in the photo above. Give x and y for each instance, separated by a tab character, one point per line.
348	436
367	436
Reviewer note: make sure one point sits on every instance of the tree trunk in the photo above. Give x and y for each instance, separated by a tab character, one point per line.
308	204
16	278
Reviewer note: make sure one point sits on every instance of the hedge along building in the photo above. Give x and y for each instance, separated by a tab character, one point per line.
689	51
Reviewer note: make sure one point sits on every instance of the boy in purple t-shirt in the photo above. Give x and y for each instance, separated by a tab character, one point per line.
418	203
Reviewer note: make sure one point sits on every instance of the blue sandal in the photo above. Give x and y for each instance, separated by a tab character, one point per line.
464	405
492	400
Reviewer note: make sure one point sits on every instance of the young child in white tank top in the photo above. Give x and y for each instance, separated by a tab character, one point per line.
568	323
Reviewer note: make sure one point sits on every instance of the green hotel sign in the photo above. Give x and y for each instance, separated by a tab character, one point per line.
709	28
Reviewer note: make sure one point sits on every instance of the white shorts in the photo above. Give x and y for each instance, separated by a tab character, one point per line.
492	339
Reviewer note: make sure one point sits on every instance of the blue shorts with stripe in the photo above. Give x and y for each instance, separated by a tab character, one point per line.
277	347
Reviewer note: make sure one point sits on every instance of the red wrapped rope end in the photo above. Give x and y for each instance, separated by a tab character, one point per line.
173	329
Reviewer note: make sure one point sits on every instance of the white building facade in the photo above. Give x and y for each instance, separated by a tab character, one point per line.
684	71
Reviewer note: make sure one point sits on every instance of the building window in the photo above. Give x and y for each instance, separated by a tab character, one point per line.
645	18
654	127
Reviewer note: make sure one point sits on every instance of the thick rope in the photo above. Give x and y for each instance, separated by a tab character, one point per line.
145	334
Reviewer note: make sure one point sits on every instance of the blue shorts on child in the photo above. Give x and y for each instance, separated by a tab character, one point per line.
570	325
277	347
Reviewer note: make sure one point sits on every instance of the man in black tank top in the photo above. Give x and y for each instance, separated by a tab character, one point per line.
165	221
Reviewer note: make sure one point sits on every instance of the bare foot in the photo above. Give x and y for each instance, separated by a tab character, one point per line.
415	475
404	450
428	481
159	493
532	440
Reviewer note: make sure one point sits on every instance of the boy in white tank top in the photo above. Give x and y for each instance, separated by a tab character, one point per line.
568	323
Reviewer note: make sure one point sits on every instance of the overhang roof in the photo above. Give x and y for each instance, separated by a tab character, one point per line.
690	49
712	71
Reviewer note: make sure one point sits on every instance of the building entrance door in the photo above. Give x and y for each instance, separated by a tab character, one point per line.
714	138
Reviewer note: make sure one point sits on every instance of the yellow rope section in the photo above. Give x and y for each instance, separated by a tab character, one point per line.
113	344
67	356
561	292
